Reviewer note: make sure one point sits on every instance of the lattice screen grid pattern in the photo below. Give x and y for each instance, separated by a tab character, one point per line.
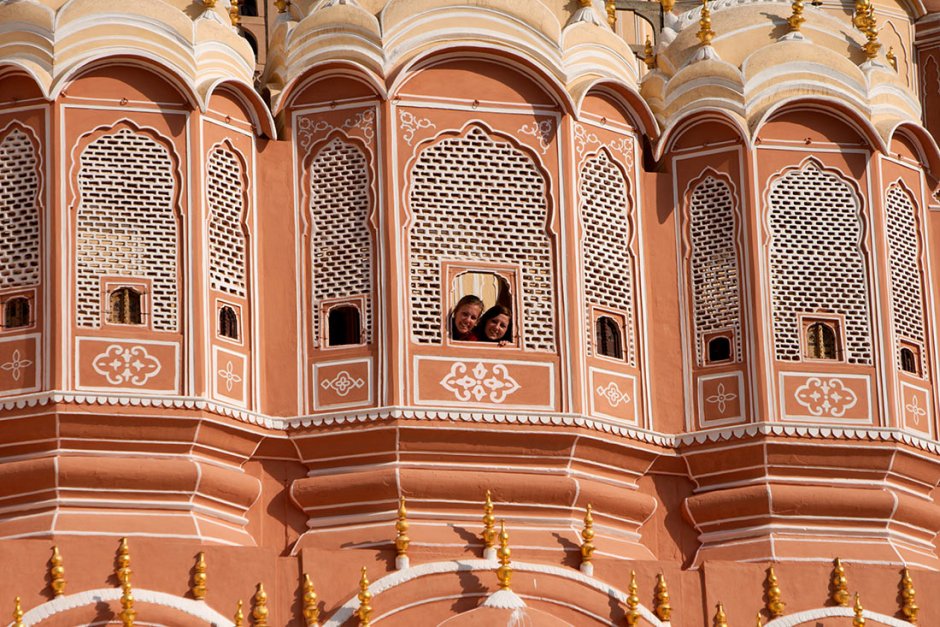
608	262
226	233
19	224
476	199
816	260
906	283
126	223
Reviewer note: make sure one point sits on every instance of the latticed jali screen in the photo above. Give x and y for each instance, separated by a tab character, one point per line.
907	302
477	199
226	233
19	228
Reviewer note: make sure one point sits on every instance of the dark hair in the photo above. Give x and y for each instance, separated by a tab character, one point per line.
491	313
469	299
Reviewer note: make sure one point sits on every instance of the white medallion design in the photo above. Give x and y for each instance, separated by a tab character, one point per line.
121	365
411	124
614	395
914	409
586	141
827	397
17	363
542	130
720	398
229	376
343	383
480	382
309	129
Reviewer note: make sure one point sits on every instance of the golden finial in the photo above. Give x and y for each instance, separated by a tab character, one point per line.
633	602
311	609
209	4
663	608
760	620
239	614
859	620
705	32
281	5
57	572
260	613
234	14
127	603
909	604
587	537
649	57
402	540
17	613
365	597
860	17
840	585
720	620
667	5
796	19
586	4
611	7
774	603
489	523
893	60
123	570
504	572
871	46
199	577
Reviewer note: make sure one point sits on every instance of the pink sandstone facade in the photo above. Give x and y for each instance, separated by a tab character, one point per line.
229	255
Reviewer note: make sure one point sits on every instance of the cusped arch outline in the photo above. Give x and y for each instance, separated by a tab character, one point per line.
801	618
248	98
685	123
830	107
633	105
324	71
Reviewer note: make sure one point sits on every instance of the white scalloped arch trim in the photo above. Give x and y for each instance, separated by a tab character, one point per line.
197	609
827	612
401	577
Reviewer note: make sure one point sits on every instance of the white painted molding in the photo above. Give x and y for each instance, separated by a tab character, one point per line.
801	618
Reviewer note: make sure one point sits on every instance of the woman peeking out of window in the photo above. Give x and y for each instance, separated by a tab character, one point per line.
495	325
463	320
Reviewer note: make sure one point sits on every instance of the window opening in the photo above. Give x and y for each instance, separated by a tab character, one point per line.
480	297
125	306
16	312
228	322
719	349
821	341
608	338
909	361
344	326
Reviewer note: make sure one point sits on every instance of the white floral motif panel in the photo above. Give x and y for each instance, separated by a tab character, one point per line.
907	304
477	199
341	239
122	365
714	263
826	397
816	260
481	383
343	383
608	231
613	394
126	223
226	232
19	199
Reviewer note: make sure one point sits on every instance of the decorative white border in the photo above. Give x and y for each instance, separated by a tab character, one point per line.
317	404
782	376
126	342
37	337
927	407
216	373
730	420
825	612
633	401
416	382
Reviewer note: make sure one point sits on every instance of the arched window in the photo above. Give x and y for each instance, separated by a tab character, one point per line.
719	349
821	341
228	322
124	306
16	312
608	340
344	326
909	361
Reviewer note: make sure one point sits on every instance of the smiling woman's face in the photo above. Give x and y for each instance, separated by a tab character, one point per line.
496	327
465	318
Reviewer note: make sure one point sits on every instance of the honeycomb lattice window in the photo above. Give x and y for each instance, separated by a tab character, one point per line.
816	260
906	282
714	264
226	234
19	200
477	199
126	223
342	241
608	264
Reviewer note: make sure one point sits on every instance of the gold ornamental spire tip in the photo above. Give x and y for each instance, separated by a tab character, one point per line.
871	46
860	16
908	603
585	4
281	5
401	526
633	602
649	56
892	59
56	573
840	585
209	4
587	536
123	570
17	613
760	620
721	619
859	619
663	608
128	614
234	14
504	572
611	7
365	598
489	522
705	32
796	18
199	577
311	607
667	5
239	614
775	604
260	612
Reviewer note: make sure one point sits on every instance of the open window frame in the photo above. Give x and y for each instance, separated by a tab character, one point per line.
508	275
